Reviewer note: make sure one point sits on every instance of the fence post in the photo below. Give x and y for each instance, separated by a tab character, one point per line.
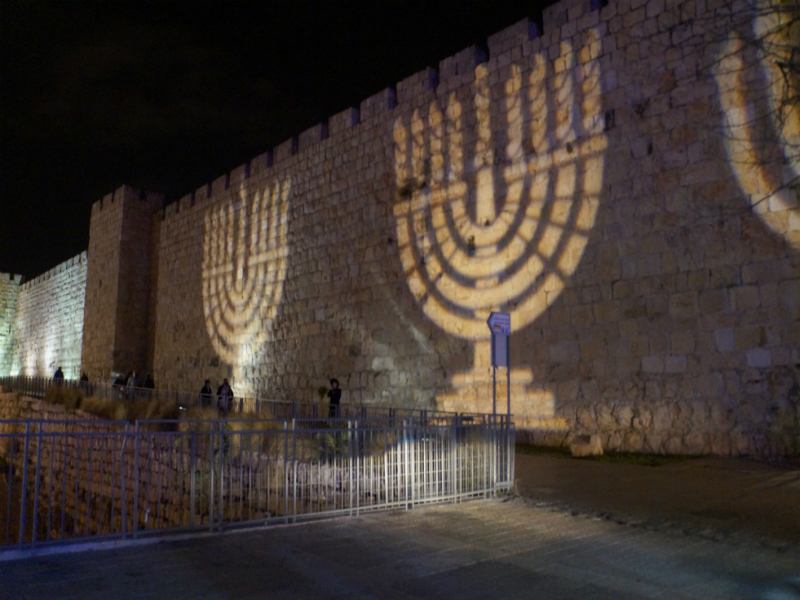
24	485
38	478
286	470
136	479
193	476
294	470
123	492
350	464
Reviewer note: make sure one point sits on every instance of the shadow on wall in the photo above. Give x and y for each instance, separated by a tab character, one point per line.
498	221
244	267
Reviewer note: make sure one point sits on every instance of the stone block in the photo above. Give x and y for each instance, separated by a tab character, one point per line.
759	358
683	305
653	364
586	445
675	364
724	340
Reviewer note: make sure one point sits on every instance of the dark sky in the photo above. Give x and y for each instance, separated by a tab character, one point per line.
170	95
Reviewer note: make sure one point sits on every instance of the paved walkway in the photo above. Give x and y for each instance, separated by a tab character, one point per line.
525	547
723	498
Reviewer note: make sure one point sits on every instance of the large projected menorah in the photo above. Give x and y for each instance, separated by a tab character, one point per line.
759	77
244	268
496	217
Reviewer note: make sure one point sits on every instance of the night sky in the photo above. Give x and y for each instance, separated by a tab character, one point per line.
168	96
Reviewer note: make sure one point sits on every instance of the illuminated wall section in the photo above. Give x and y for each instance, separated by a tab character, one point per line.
118	296
9	294
500	225
50	321
576	177
244	265
759	81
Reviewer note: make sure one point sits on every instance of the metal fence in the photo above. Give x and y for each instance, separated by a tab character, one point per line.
281	409
73	480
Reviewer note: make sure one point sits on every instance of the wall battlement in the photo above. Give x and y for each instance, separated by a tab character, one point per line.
65	266
155	200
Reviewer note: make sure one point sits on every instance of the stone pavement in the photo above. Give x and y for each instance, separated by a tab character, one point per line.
501	548
723	498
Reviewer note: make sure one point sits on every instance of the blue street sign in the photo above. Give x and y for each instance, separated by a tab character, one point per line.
500	326
499	323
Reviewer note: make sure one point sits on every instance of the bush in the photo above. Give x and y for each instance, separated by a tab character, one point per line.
104	408
67	397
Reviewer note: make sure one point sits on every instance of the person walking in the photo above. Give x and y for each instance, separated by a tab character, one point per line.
58	376
133	383
205	394
335	398
224	397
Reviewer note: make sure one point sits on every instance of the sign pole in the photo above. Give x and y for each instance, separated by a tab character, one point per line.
508	391
494	390
500	328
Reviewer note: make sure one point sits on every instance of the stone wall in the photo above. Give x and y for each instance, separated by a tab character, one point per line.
49	321
118	283
9	294
616	182
579	179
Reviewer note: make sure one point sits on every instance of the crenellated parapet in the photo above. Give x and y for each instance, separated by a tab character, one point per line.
48	322
76	261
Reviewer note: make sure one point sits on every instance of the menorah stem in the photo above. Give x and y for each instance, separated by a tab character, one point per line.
485	210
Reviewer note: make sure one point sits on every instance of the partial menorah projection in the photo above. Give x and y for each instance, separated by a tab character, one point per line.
758	77
244	268
494	208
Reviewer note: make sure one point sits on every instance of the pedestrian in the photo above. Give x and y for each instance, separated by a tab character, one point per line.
133	383
224	397
58	376
119	385
335	395
87	389
149	386
206	393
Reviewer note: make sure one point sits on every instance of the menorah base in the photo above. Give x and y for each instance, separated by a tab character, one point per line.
532	407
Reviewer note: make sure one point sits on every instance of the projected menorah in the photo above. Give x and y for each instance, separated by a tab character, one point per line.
244	268
497	218
757	76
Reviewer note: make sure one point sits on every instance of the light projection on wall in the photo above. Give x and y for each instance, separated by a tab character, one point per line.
498	219
244	268
759	78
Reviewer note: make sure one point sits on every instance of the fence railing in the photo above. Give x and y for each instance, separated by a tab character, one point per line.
72	480
280	409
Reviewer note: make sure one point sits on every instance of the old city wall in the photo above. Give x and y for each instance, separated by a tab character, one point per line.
579	179
80	477
9	295
48	320
81	464
600	180
118	283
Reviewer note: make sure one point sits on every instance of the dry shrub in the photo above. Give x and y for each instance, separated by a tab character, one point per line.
153	410
198	418
101	407
261	433
67	397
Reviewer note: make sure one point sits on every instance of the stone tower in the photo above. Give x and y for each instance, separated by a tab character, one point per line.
116	311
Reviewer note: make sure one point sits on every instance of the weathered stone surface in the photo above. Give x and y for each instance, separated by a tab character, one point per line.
586	445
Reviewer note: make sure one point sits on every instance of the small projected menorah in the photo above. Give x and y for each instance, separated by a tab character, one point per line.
244	268
496	218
